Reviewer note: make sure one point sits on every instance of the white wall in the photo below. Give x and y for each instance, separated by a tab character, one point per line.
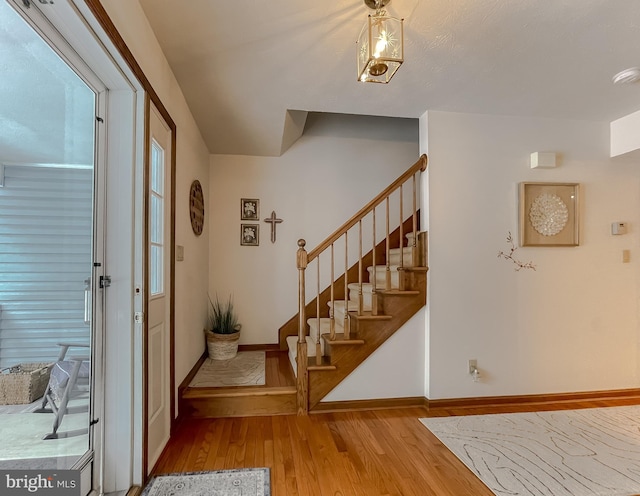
192	163
338	165
395	370
571	325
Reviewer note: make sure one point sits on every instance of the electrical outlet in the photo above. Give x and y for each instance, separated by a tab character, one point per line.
472	365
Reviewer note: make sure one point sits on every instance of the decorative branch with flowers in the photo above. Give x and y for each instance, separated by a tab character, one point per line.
509	256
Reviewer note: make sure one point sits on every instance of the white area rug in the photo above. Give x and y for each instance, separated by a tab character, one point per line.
563	453
21	436
242	482
247	368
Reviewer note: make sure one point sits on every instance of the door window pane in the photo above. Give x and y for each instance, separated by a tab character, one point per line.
156	220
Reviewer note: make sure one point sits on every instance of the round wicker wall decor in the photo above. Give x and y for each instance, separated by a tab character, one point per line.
196	207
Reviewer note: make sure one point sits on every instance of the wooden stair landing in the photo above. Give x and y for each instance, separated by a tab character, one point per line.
276	397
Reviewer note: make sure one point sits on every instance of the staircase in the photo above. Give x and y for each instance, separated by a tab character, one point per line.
373	297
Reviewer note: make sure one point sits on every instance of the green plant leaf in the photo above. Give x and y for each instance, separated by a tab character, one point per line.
222	317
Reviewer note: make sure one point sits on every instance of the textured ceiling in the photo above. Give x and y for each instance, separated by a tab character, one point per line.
242	63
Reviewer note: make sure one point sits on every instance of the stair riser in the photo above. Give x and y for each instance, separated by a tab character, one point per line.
407	260
381	277
311	346
325	327
354	296
339	315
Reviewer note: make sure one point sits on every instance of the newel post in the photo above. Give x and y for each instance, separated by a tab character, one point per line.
302	384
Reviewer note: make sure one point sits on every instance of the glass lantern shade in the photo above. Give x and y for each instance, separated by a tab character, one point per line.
380	48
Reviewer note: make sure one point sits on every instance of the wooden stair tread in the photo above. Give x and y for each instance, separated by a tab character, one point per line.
340	340
206	392
368	316
407	292
415	269
326	364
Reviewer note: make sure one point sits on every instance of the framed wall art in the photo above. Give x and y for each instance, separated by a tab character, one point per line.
249	209
249	234
549	214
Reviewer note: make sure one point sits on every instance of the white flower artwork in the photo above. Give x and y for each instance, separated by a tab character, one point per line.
548	214
249	234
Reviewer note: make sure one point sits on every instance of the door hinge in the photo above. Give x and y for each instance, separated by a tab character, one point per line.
105	281
138	317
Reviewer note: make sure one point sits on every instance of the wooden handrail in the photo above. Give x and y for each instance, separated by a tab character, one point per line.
420	165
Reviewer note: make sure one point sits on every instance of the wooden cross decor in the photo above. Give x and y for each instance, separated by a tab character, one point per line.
273	221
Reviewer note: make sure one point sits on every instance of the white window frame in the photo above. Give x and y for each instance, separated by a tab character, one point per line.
157	224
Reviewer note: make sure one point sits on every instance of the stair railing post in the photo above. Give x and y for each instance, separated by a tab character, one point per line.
302	381
387	281
360	297
345	321
332	321
318	336
401	285
414	249
374	296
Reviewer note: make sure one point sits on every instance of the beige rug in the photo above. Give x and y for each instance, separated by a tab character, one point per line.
247	368
21	436
590	452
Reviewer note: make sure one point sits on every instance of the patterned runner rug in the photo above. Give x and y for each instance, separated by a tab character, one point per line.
590	452
242	482
247	368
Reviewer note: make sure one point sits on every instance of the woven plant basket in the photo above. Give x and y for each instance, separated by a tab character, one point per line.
24	383
222	346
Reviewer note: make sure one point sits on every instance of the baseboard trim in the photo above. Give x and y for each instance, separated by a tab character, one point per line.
601	397
134	491
376	404
594	398
258	347
182	387
192	373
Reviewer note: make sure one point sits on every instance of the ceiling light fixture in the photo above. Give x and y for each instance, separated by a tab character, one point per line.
380	45
631	75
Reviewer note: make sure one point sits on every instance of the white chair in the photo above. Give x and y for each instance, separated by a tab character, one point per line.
69	379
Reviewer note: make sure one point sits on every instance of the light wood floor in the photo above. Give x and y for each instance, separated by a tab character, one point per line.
365	453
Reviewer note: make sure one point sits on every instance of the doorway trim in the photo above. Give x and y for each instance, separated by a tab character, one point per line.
100	14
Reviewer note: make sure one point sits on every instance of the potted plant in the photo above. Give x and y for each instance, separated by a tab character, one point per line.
223	330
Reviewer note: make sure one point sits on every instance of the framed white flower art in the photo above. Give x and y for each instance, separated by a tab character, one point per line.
549	214
249	209
249	235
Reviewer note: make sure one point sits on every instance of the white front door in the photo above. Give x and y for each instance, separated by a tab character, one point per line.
158	287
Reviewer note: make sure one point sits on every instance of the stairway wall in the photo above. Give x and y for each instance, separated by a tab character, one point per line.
572	325
395	370
336	167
